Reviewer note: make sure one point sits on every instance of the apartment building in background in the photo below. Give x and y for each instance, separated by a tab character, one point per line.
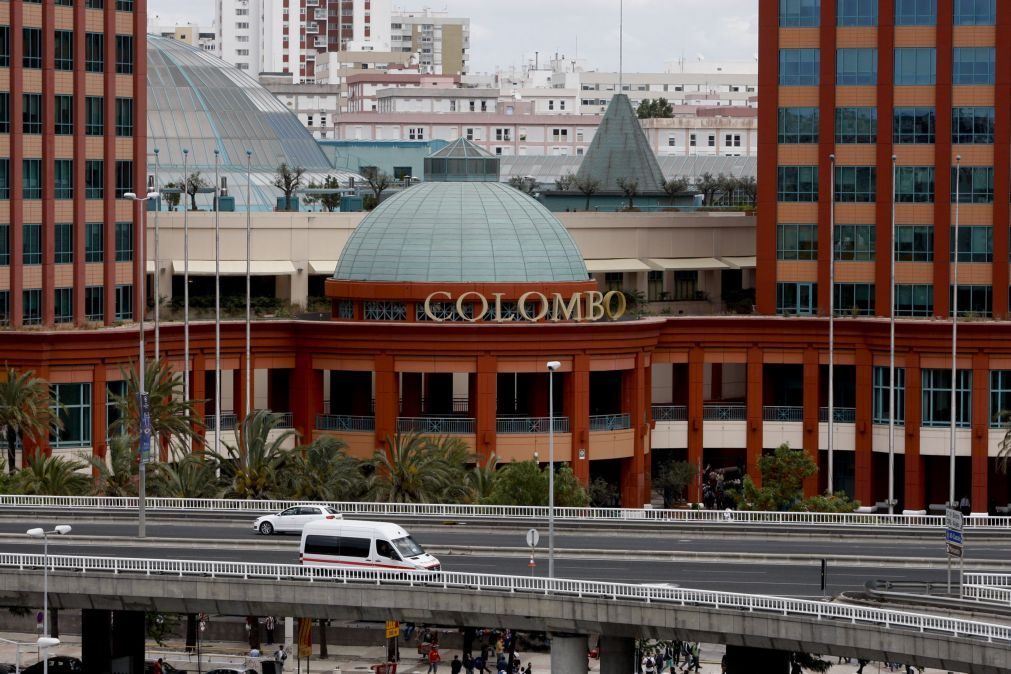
441	42
206	38
73	120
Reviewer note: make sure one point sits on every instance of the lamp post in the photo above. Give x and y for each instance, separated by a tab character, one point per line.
891	355
157	267
187	394
217	303
45	642
954	344
249	238
552	366
143	421
831	327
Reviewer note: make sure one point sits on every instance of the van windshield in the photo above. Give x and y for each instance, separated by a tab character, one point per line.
407	547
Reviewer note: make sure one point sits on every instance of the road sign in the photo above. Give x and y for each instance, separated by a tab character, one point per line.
954	550
953	537
144	400
533	536
953	519
392	629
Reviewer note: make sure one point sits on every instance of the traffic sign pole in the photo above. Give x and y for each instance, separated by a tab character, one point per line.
954	544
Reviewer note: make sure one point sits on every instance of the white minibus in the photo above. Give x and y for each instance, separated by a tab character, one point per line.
362	545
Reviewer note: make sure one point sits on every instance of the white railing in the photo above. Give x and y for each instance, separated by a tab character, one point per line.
990	579
463	511
551	587
987	593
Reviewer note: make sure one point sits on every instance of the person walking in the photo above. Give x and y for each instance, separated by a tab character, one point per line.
268	624
862	663
696	654
279	657
468	663
433	660
455	666
158	666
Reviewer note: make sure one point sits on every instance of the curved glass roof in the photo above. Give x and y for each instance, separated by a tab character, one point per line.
461	232
200	103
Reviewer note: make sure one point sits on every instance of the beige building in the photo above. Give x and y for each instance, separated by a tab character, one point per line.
441	42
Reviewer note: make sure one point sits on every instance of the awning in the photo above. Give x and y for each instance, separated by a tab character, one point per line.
741	262
326	267
236	267
688	263
616	265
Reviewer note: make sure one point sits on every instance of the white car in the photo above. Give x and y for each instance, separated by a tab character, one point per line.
291	520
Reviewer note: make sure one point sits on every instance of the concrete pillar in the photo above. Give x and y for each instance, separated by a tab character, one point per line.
617	655
387	399
811	423
484	405
696	405
755	438
744	660
979	494
569	653
128	633
96	642
306	395
863	472
576	387
913	492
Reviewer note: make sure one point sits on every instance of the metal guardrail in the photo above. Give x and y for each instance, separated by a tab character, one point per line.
435	425
840	415
670	413
725	412
517	425
229	422
990	579
610	422
287	420
988	593
479	582
344	422
784	413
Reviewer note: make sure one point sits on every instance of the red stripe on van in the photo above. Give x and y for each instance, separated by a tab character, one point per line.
366	564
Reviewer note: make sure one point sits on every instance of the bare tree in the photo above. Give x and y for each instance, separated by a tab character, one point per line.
675	186
288	179
194	183
378	181
589	187
630	188
707	185
748	187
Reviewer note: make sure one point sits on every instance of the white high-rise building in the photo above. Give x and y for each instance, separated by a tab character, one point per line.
237	23
440	42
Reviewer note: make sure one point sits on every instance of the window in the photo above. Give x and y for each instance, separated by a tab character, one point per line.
31	183
712	140
5	245
503	134
124	54
654	285
975	12
124	177
973	65
63	305
31	311
914	184
914	243
32	48
856	66
559	134
416	133
855	183
975	243
914	300
5	178
115	391
94	242
31	243
124	302
915	12
124	5
5	307
855	242
94	179
94	116
5	46
124	117
385	311
94	303
5	112
797	183
799	13
881	395
856	125
72	402
613	280
63	116
799	67
94	52
972	126
31	116
686	285
857	12
94	4
915	66
937	397
973	300
63	45
798	125
124	242
854	299
913	126
797	242
63	240
1000	397
796	298
63	178
974	185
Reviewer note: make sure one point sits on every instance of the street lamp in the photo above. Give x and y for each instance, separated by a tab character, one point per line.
249	230
143	421
831	330
891	352
217	303
954	343
46	642
552	365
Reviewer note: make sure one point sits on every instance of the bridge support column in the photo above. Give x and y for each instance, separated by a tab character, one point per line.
109	637
569	654
96	641
617	655
745	660
128	633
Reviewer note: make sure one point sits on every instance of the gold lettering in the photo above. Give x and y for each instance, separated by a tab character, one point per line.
498	308
612	313
477	315
428	305
522	306
594	305
565	311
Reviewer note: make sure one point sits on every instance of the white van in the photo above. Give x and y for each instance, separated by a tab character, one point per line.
362	545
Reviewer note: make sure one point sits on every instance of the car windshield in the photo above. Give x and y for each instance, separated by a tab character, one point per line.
331	511
407	547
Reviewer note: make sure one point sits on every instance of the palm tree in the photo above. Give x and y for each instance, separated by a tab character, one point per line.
323	471
482	478
191	476
413	469
251	467
174	419
53	476
118	476
26	411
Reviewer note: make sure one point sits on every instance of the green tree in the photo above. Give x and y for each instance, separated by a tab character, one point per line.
672	478
323	471
193	184
53	476
26	411
174	420
630	188
118	475
525	184
190	476
566	182
589	187
1004	446
783	474
482	478
603	494
379	182
173	198
526	483
708	185
250	469
288	179
415	469
675	187
160	627
747	187
330	201
660	107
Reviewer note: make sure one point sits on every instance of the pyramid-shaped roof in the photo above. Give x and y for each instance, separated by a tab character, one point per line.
620	150
462	161
461	148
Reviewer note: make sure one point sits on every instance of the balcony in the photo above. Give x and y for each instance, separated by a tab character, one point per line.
670	413
610	422
345	422
530	425
725	412
229	421
783	413
840	415
435	425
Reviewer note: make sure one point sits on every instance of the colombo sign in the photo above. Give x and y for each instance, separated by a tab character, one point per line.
534	306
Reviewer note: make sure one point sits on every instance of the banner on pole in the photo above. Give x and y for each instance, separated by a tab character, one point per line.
144	404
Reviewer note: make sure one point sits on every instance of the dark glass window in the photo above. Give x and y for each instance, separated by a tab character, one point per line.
94	179
975	12
31	182
915	65
64	3
5	112
915	12
856	125
798	125
63	45
94	52
914	300
31	311
799	67
914	243
5	178
94	242
799	13
1000	398
94	116
913	126
975	185
63	240
124	178
855	242
974	301
856	66
5	46
972	126
854	299
124	54
31	243
63	178
124	242
857	12
124	117
882	395
797	183
94	4
5	245
32	48
5	307
973	65
31	114
797	242
63	305
63	115
94	303
975	243
914	184
124	302
124	5
855	183
796	299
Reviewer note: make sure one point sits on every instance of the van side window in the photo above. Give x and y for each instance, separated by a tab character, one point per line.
385	549
323	545
355	547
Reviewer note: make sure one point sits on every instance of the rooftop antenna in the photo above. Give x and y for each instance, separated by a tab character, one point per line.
621	45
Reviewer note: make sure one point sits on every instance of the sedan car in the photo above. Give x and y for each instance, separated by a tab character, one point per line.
60	664
233	671
291	520
166	668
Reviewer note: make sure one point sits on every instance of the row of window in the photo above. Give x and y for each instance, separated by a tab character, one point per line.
857	299
33	115
910	125
807	13
913	243
914	66
858	184
63	178
63	243
63	50
121	5
63	305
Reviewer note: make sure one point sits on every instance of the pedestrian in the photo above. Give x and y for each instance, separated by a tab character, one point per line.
279	657
862	663
479	663
468	663
696	654
456	665
965	506
529	669
268	624
433	660
158	667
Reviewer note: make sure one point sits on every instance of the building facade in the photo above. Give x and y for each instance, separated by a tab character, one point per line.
441	42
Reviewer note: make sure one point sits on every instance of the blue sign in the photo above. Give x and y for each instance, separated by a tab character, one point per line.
144	400
953	537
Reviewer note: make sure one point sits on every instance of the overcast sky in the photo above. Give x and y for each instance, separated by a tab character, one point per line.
507	32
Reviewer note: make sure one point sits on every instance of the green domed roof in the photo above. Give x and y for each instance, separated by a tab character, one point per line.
476	232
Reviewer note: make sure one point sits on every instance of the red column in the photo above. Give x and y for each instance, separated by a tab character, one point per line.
864	490
914	414
80	154
140	150
883	208
696	402
198	382
486	383
109	145
387	403
826	145
99	421
755	439
306	395
640	427
16	212
1001	167
411	390
48	164
942	161
768	81
980	433
811	424
577	404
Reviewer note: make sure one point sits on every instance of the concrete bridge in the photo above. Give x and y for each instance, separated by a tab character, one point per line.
756	629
